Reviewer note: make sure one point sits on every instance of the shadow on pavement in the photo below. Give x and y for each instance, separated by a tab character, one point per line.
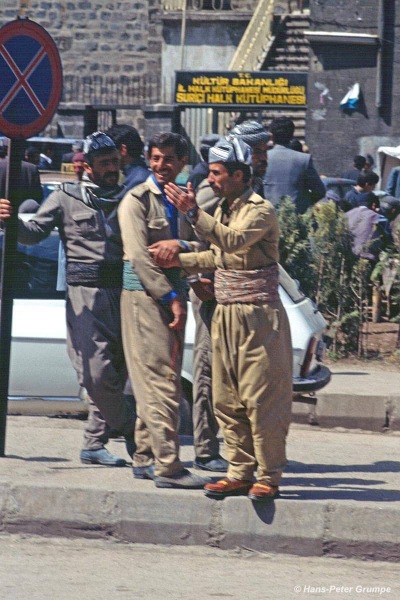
361	495
37	458
348	373
322	482
382	466
265	512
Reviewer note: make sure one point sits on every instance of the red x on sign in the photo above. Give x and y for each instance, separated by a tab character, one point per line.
30	78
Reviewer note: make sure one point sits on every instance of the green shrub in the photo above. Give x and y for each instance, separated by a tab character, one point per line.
315	249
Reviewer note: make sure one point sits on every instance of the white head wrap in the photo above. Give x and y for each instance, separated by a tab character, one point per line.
251	132
230	149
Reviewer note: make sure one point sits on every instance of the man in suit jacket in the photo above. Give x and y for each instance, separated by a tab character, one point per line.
393	183
290	173
29	186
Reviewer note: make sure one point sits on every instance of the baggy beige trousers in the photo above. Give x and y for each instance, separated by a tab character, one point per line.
252	387
153	355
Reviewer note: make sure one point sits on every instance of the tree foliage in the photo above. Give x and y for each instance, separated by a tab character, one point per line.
316	250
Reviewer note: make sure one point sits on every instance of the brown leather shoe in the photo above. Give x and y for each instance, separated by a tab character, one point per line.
227	487
263	493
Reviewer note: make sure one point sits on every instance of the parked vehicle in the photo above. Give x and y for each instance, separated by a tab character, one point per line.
342	186
51	180
42	379
60	147
338	185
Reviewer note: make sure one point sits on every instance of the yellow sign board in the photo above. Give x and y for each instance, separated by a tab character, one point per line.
234	89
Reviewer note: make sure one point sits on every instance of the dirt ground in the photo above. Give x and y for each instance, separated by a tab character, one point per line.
380	342
381	338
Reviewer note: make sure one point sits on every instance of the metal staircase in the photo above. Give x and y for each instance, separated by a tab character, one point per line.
272	43
256	40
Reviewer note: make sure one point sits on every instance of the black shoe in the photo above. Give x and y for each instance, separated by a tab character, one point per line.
143	472
213	463
182	480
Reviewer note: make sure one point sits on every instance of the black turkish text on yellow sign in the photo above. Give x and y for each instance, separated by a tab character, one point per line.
232	88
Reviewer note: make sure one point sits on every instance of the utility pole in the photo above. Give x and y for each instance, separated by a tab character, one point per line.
183	33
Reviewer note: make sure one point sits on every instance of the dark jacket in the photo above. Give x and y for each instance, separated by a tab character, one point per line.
29	186
88	236
291	173
363	225
135	173
355	198
393	183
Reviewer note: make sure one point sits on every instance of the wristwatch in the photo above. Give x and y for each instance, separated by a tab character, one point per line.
191	214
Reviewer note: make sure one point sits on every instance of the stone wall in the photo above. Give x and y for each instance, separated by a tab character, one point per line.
210	46
110	51
334	138
125	52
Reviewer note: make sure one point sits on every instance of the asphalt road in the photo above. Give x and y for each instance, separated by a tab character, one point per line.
37	568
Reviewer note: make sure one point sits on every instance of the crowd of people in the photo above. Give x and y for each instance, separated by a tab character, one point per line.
373	220
134	244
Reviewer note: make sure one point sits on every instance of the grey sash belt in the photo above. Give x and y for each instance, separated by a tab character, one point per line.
102	275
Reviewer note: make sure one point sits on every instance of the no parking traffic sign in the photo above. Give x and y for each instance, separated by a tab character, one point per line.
30	79
30	90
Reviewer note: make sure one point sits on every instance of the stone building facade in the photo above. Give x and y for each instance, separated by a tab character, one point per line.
110	52
121	56
367	54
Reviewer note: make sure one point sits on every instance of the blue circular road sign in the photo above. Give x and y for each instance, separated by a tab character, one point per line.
30	79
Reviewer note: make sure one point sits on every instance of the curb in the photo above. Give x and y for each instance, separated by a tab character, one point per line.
349	410
298	527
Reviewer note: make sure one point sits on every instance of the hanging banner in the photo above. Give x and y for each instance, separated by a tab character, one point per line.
233	89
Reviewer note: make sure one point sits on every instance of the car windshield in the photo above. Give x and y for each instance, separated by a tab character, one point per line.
36	267
338	185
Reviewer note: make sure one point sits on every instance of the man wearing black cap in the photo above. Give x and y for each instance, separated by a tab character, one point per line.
252	356
86	218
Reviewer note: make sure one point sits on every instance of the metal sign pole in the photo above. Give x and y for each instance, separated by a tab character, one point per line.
30	90
8	273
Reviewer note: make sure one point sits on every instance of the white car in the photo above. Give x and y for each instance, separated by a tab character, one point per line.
42	380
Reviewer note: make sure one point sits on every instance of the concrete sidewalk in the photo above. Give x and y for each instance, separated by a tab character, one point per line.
359	396
340	495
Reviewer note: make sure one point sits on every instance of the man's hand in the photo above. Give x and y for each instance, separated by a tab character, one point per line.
165	252
182	200
203	288
5	209
178	309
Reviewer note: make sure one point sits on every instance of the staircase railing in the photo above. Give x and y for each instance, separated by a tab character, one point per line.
256	38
